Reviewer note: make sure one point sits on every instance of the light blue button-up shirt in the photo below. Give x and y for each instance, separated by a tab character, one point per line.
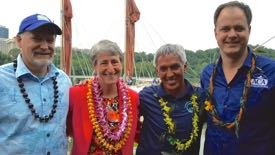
20	133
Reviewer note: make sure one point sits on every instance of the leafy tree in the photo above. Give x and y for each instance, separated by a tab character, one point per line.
13	53
143	61
4	58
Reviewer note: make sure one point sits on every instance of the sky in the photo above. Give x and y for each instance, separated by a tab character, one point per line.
185	22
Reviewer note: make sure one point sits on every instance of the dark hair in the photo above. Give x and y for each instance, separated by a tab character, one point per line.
244	7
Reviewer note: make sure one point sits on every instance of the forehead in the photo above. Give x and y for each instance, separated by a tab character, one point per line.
168	60
230	14
106	55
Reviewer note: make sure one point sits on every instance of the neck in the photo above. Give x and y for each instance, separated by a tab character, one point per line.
178	91
230	65
109	90
39	72
236	61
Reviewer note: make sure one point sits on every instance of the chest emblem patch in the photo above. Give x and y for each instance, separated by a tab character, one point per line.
259	81
188	106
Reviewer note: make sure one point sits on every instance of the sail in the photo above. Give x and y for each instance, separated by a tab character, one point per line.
66	37
132	16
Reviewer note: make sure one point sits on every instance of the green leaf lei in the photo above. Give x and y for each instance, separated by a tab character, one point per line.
177	143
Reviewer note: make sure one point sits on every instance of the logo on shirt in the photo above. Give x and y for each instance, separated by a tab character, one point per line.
259	81
188	106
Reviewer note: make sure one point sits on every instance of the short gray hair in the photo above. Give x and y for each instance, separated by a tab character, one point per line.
105	46
167	49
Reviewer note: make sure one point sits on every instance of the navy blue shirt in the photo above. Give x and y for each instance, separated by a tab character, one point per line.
154	126
257	126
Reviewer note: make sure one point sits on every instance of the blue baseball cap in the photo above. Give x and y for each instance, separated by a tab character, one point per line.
35	21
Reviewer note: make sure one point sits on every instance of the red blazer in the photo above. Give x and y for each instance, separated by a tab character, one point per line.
80	127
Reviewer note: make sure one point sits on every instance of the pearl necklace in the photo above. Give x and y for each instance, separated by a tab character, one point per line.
42	119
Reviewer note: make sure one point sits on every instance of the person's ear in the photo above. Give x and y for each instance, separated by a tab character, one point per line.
157	71
18	39
185	67
215	32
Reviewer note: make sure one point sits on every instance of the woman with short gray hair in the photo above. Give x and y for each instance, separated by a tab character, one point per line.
102	115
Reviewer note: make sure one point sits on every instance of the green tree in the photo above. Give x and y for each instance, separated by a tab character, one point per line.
4	58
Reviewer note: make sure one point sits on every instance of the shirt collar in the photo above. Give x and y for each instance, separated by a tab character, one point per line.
22	70
189	91
247	61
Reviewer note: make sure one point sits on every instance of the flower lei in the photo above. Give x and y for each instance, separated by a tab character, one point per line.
109	141
180	145
211	108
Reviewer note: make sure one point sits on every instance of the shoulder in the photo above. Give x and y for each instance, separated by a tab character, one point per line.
134	97
265	65
149	90
149	94
132	93
6	68
200	92
63	75
7	74
78	89
78	94
265	68
201	95
263	61
206	74
208	69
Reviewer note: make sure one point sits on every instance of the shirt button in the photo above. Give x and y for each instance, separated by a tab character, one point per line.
48	134
48	153
44	99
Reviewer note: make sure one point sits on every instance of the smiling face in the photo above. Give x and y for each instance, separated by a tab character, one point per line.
37	49
171	72
232	31
108	67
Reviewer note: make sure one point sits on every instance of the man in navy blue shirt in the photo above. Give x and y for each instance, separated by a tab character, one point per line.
241	87
170	110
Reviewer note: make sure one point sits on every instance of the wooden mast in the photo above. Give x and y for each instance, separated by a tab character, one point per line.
132	16
66	48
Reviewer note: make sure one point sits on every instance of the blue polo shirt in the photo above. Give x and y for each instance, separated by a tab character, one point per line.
257	126
20	133
154	126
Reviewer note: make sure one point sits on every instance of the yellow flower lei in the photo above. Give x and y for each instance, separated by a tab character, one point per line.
105	143
171	125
